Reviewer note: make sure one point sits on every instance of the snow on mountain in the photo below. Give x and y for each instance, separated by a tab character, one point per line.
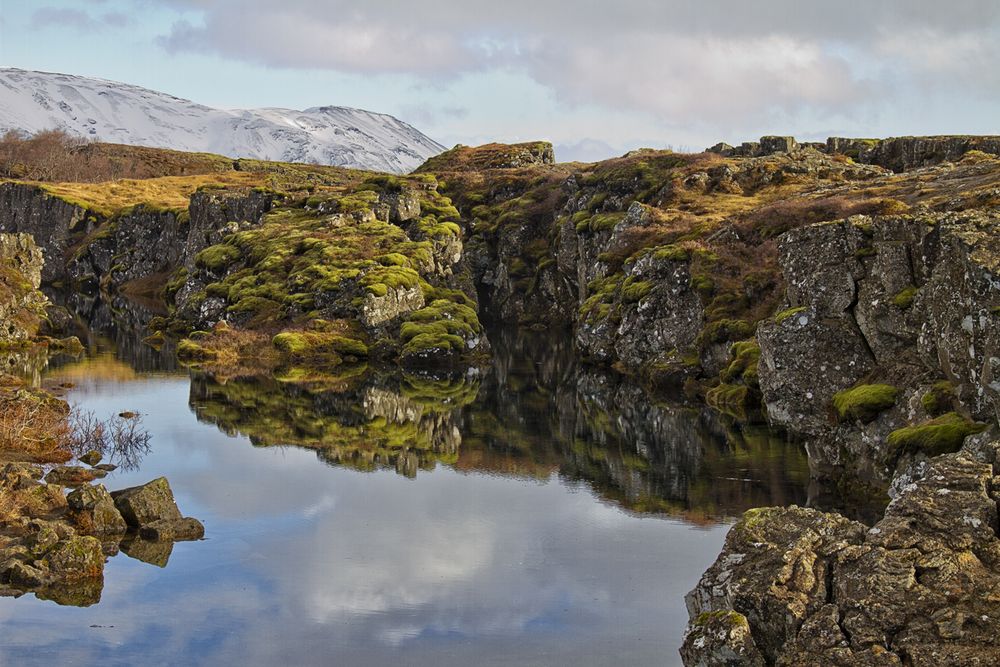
125	114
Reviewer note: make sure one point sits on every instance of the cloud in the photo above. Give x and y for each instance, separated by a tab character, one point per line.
678	60
77	19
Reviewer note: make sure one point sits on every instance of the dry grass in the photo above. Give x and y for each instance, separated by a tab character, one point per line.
33	424
169	193
229	352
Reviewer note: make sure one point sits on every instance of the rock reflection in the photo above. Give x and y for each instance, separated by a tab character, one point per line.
534	413
117	323
366	423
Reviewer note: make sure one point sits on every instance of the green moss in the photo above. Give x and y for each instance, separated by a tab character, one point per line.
188	350
785	314
427	342
864	402
605	221
673	253
702	284
310	344
394	259
731	399
904	299
357	202
724	330
938	436
634	290
380	279
940	398
744	357
217	257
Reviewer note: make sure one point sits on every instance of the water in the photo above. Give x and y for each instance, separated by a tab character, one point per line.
542	514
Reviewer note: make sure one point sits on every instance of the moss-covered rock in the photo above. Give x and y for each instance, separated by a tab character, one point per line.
938	436
864	402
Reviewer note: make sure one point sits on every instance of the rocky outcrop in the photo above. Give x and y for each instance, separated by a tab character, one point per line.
903	302
138	243
905	153
51	222
151	509
61	556
920	587
897	153
145	243
22	306
214	214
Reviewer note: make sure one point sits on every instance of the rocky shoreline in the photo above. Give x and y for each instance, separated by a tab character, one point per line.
56	544
56	526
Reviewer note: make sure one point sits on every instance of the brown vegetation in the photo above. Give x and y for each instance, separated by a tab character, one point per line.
33	424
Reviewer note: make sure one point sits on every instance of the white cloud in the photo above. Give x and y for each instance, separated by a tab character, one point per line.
679	60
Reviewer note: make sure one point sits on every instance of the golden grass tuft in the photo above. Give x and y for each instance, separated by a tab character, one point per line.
168	193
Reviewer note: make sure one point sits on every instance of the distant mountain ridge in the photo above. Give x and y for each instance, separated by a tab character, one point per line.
123	113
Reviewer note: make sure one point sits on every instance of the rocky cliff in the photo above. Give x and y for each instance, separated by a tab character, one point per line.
896	153
22	306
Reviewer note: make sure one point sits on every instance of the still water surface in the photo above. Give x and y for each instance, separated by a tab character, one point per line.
540	514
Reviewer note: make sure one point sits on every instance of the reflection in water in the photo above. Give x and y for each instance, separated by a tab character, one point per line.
501	555
114	323
364	424
534	413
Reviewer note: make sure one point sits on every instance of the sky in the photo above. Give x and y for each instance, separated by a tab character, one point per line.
596	78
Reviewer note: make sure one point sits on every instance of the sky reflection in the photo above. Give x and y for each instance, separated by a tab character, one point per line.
310	564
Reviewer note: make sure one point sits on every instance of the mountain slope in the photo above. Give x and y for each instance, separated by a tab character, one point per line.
122	113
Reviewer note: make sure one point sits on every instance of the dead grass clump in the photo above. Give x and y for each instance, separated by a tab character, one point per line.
777	218
34	424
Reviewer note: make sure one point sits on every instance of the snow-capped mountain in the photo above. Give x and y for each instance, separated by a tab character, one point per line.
126	114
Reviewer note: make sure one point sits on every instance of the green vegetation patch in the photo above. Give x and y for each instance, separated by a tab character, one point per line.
310	344
939	399
904	299
941	435
217	257
864	402
744	357
786	314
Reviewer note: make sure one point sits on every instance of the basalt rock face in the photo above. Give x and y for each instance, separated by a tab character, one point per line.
146	243
897	153
83	247
214	214
50	221
920	587
909	302
904	153
22	306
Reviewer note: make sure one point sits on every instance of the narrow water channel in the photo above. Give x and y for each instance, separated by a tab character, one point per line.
540	513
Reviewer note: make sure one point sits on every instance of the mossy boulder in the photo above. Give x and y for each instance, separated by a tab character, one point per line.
864	402
302	345
75	557
940	435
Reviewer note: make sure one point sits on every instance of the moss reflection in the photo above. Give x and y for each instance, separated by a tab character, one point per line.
534	414
358	420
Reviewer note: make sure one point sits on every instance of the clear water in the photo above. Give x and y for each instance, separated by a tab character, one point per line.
545	515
